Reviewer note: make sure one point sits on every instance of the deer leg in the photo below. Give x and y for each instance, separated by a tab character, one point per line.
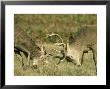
28	59
24	52
25	60
95	59
82	57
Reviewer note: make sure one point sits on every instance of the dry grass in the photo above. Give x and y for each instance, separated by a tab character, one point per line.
52	69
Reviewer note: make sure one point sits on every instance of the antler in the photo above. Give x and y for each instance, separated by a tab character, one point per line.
53	34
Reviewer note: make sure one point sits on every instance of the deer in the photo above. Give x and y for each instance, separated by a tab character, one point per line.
67	53
23	43
85	40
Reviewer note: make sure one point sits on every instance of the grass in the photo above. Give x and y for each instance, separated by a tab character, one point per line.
52	69
38	25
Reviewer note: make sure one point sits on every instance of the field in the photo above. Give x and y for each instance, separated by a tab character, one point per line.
37	26
52	69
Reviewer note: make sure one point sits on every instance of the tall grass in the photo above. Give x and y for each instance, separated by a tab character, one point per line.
38	25
52	69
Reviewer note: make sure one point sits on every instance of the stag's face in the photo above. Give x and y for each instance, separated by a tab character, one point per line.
76	57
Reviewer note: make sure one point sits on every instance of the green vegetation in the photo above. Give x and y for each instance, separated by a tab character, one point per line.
66	25
37	26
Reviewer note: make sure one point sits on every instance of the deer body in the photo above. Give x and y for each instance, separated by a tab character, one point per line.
23	43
